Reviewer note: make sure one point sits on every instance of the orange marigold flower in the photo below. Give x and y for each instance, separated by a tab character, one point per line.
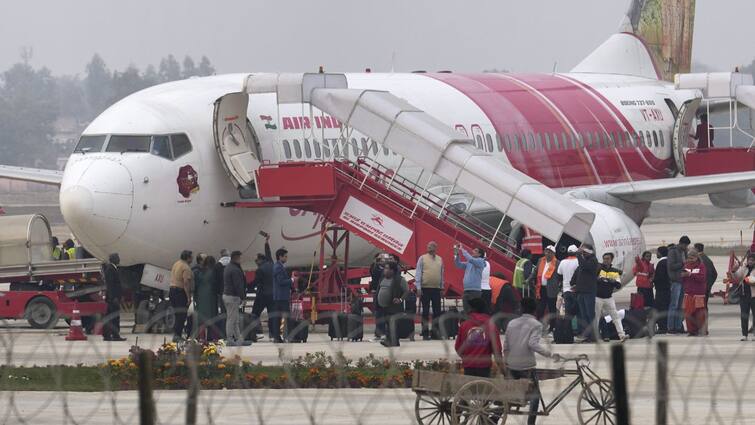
221	366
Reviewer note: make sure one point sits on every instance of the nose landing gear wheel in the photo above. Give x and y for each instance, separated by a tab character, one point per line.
476	404
597	403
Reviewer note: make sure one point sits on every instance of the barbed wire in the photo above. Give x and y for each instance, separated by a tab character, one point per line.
710	379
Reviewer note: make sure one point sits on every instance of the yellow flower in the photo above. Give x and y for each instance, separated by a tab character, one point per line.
221	366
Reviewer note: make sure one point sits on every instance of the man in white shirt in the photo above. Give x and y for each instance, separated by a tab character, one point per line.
565	272
485	286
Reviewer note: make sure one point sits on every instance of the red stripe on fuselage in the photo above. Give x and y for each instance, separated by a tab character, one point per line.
640	162
549	104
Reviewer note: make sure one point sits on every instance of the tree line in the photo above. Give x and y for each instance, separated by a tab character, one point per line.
33	100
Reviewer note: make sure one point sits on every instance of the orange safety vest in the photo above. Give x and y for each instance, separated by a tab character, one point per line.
496	284
540	269
532	241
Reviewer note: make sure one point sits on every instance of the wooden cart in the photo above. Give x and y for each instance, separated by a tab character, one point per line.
450	398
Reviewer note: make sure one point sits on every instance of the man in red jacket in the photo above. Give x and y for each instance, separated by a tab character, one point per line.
478	340
694	281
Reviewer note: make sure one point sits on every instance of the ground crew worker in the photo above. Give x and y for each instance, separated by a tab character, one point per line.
112	325
546	286
57	253
281	293
429	283
69	250
704	133
523	273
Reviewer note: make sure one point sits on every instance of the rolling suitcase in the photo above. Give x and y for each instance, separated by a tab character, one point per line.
563	334
636	324
355	327
338	326
405	325
447	325
298	330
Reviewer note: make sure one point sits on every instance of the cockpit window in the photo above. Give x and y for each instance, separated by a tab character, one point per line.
120	143
90	144
181	145
161	147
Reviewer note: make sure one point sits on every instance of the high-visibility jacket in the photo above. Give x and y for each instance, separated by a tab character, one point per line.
71	253
532	241
57	254
519	276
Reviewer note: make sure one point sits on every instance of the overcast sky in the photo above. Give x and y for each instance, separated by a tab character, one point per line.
346	35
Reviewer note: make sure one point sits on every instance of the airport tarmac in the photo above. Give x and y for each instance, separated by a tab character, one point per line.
710	377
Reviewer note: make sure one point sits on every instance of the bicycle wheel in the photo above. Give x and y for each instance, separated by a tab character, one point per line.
432	409
475	404
597	403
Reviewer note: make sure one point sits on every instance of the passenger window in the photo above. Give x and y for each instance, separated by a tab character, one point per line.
365	148
573	141
547	144
325	148
641	139
489	142
588	143
336	148
124	144
531	143
385	151
307	149
161	147
507	141
655	138
181	145
286	149
297	148
90	144
499	142
648	139
354	147
374	148
660	135
478	140
316	145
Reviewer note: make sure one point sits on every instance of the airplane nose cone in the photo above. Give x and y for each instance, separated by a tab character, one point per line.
96	200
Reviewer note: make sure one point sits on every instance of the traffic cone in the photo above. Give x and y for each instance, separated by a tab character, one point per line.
75	331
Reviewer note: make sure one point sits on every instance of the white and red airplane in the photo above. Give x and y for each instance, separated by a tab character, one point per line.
146	179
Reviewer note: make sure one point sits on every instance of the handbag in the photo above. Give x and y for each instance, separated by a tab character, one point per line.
734	295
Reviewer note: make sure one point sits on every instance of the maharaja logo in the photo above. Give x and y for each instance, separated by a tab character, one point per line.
188	181
268	120
378	219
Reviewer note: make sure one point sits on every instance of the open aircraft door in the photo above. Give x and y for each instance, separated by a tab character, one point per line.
681	131
235	141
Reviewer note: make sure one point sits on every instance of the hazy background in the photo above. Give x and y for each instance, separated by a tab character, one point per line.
64	62
346	35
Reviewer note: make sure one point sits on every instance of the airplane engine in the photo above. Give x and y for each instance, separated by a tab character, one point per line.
734	199
613	231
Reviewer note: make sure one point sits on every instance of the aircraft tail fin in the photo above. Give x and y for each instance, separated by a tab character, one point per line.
654	41
666	27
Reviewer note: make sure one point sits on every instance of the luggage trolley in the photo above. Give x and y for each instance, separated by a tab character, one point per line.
452	399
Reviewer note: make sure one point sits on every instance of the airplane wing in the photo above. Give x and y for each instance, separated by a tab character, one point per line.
51	177
655	190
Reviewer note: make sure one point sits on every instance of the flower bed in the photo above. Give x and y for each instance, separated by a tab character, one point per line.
170	370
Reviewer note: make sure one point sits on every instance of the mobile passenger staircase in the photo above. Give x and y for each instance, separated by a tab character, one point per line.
387	210
367	199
